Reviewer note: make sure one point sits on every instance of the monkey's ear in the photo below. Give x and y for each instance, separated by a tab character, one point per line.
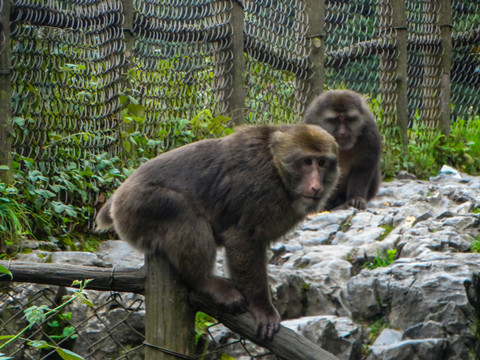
277	138
277	142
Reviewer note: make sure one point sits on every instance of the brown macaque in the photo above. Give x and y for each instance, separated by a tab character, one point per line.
345	115
241	192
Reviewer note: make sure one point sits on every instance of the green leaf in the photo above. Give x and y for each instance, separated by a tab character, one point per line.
19	121
35	314
4	167
68	355
40	344
7	337
3	357
4	270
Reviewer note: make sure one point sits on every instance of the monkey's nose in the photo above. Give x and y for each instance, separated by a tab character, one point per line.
316	190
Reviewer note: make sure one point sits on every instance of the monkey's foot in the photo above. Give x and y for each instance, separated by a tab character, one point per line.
357	202
225	295
267	321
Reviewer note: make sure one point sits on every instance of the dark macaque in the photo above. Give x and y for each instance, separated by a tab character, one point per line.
241	192
345	115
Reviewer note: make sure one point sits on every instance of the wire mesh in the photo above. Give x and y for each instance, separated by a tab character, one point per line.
183	58
465	71
423	61
67	62
112	329
276	62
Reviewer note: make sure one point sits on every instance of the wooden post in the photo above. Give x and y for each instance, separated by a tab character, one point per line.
5	96
316	34
236	106
445	22
169	320
129	40
128	31
399	24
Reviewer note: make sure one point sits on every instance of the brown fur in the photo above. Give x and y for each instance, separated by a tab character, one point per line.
345	115
242	192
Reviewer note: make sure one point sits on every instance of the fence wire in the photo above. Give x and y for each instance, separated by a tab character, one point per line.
182	61
423	61
114	328
465	71
67	62
276	63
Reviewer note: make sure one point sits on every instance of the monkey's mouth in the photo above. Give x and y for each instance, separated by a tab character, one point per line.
342	139
310	198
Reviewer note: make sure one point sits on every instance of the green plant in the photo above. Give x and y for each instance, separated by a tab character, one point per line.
475	246
57	207
381	260
376	328
36	315
428	150
388	229
13	217
202	323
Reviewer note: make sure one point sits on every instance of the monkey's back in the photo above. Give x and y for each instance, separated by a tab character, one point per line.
231	182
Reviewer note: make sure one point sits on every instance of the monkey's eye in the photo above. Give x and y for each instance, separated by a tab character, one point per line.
322	162
307	161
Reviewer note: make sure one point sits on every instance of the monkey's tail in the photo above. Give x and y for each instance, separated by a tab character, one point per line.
104	218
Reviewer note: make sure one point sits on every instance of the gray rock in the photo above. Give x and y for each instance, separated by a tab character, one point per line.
338	335
426	349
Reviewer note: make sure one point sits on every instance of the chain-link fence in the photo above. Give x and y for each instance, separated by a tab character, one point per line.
112	326
77	66
465	70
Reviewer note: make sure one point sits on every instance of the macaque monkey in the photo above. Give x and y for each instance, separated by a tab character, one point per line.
241	192
345	115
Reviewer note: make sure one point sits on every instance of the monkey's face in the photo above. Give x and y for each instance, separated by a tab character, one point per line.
316	175
307	164
342	113
343	125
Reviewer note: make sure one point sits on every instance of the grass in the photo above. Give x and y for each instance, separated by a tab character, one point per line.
475	247
381	260
428	149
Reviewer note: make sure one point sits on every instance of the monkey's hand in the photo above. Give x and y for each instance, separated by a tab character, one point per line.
267	321
356	202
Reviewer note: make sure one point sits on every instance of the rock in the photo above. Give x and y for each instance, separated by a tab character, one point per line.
120	253
426	349
338	335
387	338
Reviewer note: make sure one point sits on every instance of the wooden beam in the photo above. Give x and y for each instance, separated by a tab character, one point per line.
286	344
106	279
